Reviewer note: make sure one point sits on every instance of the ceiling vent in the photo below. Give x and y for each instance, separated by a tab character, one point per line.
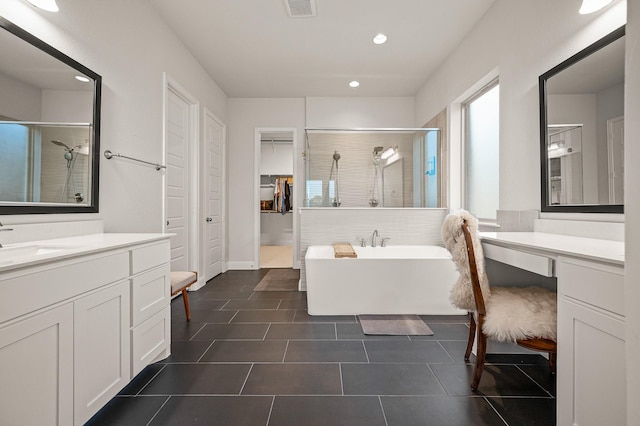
301	8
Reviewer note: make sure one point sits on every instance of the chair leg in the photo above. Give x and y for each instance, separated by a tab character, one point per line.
472	335
185	298
480	356
552	362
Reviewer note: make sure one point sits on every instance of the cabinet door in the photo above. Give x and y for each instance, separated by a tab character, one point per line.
36	367
101	348
591	365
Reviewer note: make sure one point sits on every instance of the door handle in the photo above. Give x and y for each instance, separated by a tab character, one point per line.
209	219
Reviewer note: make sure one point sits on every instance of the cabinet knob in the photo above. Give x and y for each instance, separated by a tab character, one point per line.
209	219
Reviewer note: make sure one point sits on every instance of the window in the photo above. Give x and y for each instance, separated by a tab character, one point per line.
481	152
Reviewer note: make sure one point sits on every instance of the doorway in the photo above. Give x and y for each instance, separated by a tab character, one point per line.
180	200
275	199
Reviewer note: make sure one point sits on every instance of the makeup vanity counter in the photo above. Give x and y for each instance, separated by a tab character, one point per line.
591	321
79	318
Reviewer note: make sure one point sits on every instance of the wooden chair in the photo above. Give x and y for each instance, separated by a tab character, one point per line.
483	310
180	282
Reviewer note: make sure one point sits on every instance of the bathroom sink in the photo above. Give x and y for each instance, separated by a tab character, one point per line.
21	253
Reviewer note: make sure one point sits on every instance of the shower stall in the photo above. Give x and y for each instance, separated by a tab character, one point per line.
391	167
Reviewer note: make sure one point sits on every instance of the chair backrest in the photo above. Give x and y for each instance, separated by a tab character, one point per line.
473	269
462	295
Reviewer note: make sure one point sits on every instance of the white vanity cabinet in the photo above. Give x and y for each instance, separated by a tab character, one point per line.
591	364
36	369
591	346
70	327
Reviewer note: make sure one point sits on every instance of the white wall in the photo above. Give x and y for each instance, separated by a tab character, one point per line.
130	47
245	115
19	101
632	210
523	40
360	112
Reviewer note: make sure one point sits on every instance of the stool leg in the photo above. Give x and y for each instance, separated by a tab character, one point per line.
185	298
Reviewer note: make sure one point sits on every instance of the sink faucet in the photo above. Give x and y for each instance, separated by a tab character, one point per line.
373	238
4	229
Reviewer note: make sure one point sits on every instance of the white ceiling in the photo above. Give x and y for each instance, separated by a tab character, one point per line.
252	48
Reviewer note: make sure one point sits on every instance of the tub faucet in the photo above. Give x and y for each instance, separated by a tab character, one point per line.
4	229
373	238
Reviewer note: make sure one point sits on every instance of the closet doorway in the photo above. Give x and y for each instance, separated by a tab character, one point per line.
276	222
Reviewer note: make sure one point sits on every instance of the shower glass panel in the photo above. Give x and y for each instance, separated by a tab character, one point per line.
373	167
45	163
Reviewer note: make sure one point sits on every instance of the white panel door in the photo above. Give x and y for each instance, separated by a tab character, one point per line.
177	203
214	134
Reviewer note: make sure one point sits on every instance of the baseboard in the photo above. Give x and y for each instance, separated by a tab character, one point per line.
197	286
238	266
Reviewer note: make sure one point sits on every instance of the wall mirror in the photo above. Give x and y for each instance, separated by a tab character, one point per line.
582	130
49	128
384	167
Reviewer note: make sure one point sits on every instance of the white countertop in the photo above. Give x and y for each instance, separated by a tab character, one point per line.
13	256
555	244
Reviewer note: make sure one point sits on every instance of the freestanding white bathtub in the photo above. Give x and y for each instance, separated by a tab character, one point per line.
381	280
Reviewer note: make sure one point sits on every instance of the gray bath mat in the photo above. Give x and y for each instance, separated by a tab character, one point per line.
394	325
279	280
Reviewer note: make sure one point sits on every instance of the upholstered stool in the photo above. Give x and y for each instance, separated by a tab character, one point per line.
180	282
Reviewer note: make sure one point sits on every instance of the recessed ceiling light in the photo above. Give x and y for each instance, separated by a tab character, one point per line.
82	78
48	5
380	39
354	84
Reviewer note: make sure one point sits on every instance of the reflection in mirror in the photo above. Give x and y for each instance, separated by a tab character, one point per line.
373	167
49	128
581	126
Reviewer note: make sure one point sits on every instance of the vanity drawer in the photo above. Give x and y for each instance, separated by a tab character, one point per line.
149	339
537	264
34	288
150	292
595	283
149	256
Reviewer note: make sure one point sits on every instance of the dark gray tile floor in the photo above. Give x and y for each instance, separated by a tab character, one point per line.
258	358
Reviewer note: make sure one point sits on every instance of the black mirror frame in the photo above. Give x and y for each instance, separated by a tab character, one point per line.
542	86
95	158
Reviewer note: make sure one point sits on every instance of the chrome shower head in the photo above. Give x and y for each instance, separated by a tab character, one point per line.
62	144
336	155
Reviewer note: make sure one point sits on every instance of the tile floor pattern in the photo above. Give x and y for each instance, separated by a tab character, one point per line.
258	358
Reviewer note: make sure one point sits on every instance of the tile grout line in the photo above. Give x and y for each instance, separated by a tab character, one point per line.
384	415
196	333
205	351
286	348
150	380
494	409
341	380
246	379
534	381
273	401
365	351
158	411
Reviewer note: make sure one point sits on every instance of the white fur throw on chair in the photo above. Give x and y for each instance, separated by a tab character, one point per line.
462	293
513	313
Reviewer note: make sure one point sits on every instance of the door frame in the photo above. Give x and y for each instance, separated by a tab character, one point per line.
207	113
170	84
256	192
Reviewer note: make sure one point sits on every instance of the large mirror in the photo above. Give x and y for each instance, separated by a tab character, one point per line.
582	130
49	128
